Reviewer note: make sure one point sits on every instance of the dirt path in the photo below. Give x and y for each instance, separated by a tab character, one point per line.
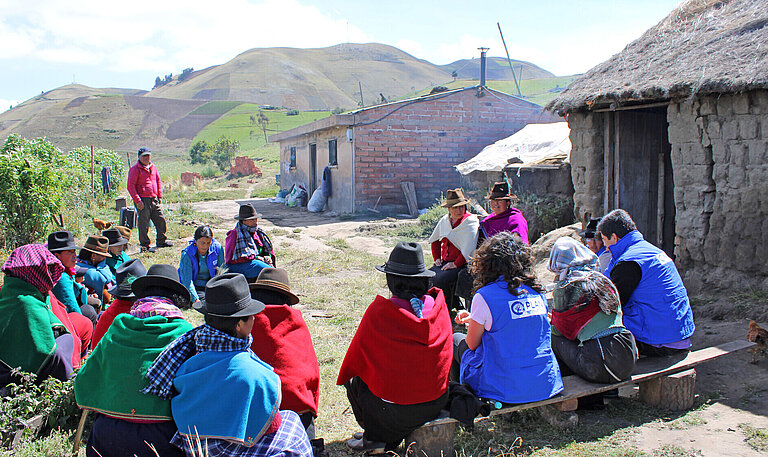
310	231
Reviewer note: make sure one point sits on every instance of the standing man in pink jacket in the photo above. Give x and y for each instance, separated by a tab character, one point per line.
147	192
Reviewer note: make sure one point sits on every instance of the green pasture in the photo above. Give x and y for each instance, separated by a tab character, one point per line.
236	124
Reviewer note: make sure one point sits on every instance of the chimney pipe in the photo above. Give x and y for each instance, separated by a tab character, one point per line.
482	66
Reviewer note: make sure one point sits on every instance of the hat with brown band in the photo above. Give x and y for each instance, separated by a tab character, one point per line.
454	197
275	280
499	191
97	244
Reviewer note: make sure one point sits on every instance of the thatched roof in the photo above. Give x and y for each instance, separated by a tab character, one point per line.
703	46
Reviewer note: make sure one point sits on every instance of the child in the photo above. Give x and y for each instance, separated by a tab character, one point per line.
192	370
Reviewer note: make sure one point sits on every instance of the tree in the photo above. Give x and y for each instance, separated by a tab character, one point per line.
454	74
158	82
200	152
185	73
263	121
223	152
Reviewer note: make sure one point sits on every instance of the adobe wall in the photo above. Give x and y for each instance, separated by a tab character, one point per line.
423	141
720	163
341	175
587	160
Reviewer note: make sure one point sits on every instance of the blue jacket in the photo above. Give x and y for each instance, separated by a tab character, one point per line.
71	293
189	268
658	311
97	277
514	362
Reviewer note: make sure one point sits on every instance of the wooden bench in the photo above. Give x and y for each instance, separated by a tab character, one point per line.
664	381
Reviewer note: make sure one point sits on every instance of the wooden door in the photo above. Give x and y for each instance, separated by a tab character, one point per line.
312	169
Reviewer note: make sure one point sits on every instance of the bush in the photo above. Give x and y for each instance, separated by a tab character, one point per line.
292	112
52	398
37	180
101	158
224	151
200	152
544	213
208	172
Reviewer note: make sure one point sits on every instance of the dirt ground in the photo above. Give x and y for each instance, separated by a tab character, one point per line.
734	392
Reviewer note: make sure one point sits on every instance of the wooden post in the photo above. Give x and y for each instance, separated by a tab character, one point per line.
433	439
410	198
93	182
674	392
79	433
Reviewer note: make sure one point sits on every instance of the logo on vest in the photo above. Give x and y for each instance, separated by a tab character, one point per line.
663	258
530	306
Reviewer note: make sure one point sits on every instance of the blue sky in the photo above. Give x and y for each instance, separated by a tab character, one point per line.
45	44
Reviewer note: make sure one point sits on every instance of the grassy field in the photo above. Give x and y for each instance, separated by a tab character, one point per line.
236	124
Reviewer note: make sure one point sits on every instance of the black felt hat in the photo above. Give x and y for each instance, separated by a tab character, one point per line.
246	212
125	275
499	191
228	295
590	231
407	259
62	240
160	275
115	237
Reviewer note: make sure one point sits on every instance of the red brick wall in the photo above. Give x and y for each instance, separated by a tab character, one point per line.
422	141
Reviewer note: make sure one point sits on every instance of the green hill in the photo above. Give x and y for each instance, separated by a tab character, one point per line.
496	68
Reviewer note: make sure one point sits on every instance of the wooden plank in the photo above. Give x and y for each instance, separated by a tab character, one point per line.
410	197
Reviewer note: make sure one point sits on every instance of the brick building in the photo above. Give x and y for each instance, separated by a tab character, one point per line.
372	150
674	129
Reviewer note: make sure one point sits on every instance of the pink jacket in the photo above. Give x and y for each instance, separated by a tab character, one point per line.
144	182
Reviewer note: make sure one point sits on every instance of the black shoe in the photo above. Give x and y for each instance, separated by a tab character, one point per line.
165	244
148	249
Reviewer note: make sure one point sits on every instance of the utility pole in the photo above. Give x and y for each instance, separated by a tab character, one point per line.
509	61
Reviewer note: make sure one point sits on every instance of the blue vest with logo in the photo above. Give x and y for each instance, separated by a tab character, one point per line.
658	311
514	362
212	259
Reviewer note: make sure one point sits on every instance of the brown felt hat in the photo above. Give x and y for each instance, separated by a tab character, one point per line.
124	231
97	244
454	197
275	280
247	211
499	191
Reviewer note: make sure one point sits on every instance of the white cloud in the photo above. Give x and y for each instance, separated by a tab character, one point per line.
413	48
162	36
5	104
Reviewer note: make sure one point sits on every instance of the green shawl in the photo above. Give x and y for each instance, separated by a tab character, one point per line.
111	379
26	326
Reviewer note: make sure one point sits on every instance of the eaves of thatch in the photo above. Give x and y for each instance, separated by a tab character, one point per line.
702	47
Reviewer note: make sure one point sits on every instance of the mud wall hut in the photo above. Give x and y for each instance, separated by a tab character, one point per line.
674	129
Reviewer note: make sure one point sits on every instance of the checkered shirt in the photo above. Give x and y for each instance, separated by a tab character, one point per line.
201	339
290	440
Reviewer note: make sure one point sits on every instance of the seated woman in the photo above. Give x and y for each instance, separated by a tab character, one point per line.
453	242
98	276
588	335
247	248
31	337
123	296
281	338
504	218
506	354
199	261
117	245
73	295
397	367
128	420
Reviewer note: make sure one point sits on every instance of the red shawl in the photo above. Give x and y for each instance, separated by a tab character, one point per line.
402	359
570	322
60	311
119	306
281	338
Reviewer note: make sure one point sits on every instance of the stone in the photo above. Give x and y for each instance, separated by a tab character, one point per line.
707	106
748	126
188	178
244	166
741	103
724	105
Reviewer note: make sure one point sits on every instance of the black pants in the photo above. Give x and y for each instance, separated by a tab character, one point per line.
90	312
112	437
653	351
464	285
602	360
388	422
459	346
446	280
152	211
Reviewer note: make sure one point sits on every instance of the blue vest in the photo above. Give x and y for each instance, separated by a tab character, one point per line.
96	277
212	259
514	362
658	311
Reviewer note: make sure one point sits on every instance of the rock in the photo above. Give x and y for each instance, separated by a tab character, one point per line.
543	246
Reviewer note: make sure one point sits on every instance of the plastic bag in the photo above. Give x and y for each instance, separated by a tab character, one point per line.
292	199
317	202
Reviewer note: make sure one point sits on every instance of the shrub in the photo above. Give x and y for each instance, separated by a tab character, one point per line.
101	158
224	150
37	179
208	172
292	112
200	152
544	213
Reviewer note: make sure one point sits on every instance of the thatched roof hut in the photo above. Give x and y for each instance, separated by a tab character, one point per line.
674	129
702	47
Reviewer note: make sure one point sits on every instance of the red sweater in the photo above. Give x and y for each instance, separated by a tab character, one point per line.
144	182
119	306
444	249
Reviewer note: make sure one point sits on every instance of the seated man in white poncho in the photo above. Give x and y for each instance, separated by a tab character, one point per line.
453	242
